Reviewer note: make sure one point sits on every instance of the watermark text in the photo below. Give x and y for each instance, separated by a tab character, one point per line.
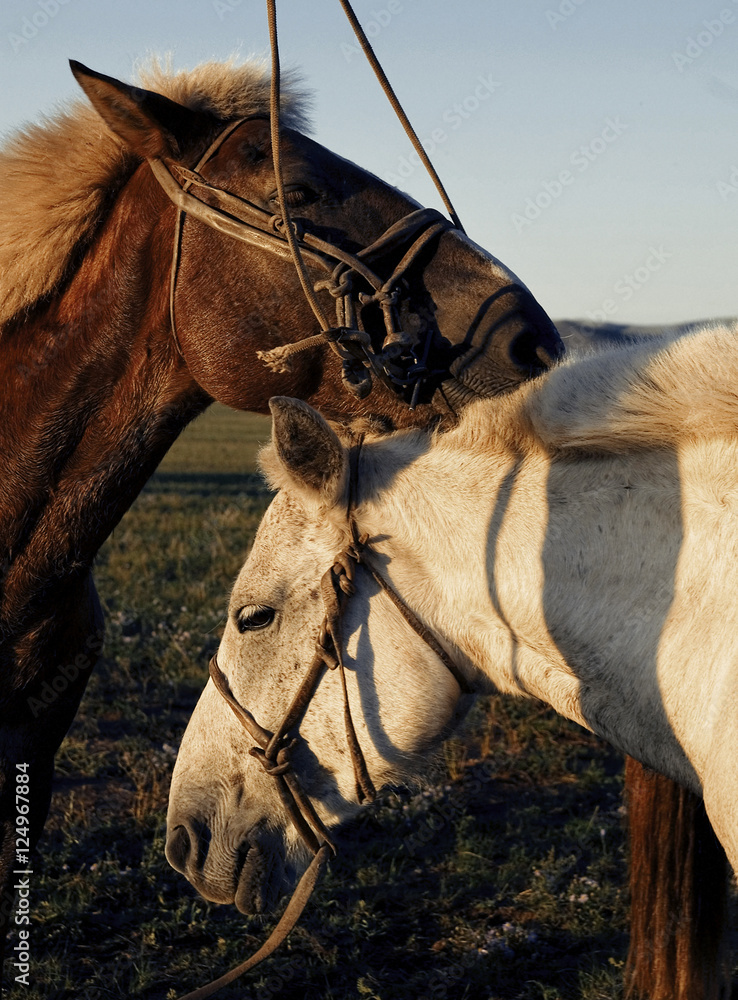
22	872
580	160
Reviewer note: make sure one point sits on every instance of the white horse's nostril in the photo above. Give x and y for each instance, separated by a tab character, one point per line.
178	849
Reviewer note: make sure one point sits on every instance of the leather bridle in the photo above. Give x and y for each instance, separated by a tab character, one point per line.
274	750
400	362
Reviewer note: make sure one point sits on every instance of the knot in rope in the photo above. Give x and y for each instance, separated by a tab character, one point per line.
324	647
385	296
277	766
343	577
278	359
339	284
345	563
277	224
397	350
347	341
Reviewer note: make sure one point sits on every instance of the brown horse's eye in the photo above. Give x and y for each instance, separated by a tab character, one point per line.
254	617
295	196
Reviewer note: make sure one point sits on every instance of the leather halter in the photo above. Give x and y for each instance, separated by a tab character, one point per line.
274	749
397	363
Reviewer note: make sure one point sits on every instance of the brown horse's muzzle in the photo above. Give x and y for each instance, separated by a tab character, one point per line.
494	334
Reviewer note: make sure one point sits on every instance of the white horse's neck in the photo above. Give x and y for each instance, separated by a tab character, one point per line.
577	580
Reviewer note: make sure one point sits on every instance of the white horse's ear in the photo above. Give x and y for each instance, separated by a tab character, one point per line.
149	124
308	451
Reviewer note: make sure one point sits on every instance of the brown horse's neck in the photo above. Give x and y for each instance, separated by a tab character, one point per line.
94	393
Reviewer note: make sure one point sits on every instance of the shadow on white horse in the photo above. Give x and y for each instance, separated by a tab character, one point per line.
575	541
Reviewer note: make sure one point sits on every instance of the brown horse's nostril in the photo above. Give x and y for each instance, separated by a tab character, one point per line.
178	849
525	353
536	347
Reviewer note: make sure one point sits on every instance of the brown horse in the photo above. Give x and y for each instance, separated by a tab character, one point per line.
96	384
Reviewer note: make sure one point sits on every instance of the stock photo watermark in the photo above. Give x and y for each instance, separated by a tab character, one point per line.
65	675
698	43
22	873
375	25
580	160
629	284
34	22
454	118
565	10
224	7
727	188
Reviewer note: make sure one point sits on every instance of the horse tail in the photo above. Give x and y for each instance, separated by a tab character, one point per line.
679	894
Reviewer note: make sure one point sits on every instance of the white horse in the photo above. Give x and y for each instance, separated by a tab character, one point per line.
575	541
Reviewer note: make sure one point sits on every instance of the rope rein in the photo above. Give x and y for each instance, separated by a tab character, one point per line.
279	357
307	286
397	107
179	222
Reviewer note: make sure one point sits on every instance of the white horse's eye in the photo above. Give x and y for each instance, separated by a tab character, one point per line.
253	617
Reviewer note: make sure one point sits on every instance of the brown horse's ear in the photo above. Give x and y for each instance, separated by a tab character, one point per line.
310	455
149	124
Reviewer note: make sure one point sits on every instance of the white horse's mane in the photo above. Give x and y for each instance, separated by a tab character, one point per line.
59	175
649	394
656	393
676	387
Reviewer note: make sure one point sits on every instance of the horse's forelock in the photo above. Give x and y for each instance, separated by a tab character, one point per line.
228	89
58	174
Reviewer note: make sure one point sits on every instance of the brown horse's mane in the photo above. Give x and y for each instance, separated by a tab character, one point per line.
59	176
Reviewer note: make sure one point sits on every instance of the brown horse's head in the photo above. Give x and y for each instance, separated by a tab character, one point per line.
464	318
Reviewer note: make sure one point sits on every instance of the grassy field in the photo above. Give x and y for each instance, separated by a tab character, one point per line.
503	880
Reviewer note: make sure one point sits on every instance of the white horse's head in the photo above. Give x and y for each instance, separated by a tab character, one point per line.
228	829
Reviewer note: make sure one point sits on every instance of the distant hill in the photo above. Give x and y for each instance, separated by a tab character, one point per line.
584	335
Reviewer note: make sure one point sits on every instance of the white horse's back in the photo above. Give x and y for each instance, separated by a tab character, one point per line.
660	390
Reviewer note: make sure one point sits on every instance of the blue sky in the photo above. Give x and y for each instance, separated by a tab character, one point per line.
590	145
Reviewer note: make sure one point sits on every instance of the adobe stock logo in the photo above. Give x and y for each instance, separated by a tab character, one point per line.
379	19
581	159
223	7
629	284
565	10
453	117
729	187
35	22
697	44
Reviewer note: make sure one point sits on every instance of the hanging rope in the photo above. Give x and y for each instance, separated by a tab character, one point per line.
392	97
355	374
289	232
337	584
